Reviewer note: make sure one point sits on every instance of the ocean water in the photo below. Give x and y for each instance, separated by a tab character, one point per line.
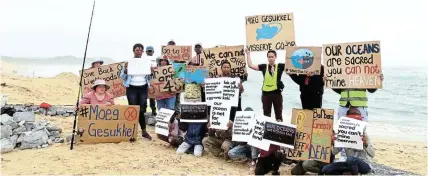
397	111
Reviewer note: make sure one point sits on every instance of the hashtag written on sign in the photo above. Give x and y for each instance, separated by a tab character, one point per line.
84	111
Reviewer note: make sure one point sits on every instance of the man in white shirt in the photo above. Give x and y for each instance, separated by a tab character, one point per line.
150	51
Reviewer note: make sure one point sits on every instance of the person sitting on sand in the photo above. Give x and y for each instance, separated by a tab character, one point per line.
193	138
219	142
97	64
98	95
356	161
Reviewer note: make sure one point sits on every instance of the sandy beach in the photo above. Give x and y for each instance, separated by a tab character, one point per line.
143	157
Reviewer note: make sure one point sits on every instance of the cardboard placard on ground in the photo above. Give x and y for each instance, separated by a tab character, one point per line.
219	115
162	121
214	57
242	126
270	32
301	60
110	73
194	112
353	65
155	88
280	134
177	53
139	66
196	74
303	120
348	133
104	124
322	129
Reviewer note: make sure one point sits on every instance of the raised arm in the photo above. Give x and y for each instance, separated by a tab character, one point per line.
249	62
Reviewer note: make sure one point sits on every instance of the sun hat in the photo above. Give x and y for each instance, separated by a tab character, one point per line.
99	82
99	61
198	44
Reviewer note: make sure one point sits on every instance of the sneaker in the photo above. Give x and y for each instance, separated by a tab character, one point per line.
147	136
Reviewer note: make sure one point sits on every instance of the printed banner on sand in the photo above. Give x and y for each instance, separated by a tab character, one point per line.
270	32
109	73
214	57
353	65
301	60
104	124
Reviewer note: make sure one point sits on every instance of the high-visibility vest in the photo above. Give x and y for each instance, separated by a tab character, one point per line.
356	97
270	81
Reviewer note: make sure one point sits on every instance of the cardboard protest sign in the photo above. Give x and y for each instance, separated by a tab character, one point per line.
242	126
193	93
164	74
103	124
176	85
322	130
162	121
193	112
303	120
349	132
301	60
219	115
177	53
224	89
353	65
280	134
214	57
196	74
109	73
180	70
257	130
270	32
139	66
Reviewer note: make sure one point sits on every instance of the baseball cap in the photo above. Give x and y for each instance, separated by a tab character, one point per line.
198	44
149	48
171	41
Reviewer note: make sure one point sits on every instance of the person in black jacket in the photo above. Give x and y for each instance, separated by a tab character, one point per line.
311	89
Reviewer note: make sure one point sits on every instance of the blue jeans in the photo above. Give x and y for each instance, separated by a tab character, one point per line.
353	164
137	95
242	152
167	103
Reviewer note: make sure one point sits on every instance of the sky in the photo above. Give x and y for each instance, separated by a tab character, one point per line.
49	28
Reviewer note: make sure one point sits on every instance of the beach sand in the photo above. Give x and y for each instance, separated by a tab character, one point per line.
142	157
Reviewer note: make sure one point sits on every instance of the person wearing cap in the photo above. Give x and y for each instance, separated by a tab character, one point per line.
97	64
197	60
98	95
150	52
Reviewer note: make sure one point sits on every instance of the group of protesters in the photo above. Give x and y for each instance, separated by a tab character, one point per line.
195	138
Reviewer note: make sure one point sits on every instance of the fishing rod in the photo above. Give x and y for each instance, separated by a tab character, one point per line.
81	78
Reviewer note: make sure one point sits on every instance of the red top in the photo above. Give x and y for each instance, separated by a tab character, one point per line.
90	98
272	149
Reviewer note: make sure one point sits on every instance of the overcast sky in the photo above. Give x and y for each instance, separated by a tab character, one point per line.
48	28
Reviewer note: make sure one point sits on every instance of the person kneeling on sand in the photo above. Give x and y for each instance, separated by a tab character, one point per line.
193	138
219	142
269	161
175	136
98	95
356	161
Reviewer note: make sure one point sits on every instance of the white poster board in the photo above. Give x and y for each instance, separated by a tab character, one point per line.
349	132
257	130
224	89
242	126
213	90
139	66
162	121
231	91
219	115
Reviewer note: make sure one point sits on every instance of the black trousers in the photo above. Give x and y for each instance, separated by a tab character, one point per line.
266	164
152	104
137	95
311	101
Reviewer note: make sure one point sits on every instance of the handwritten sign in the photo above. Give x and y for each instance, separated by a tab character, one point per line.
353	65
224	89
109	73
349	132
256	136
155	88
139	66
196	74
180	70
164	74
193	112
219	115
104	124
303	120
213	90
162	121
231	91
270	32
322	129
177	53
242	126
280	134
301	60
214	57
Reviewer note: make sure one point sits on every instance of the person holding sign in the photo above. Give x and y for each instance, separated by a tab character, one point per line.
219	142
356	161
272	84
197	60
97	64
166	101
98	95
225	72
137	89
354	98
311	89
